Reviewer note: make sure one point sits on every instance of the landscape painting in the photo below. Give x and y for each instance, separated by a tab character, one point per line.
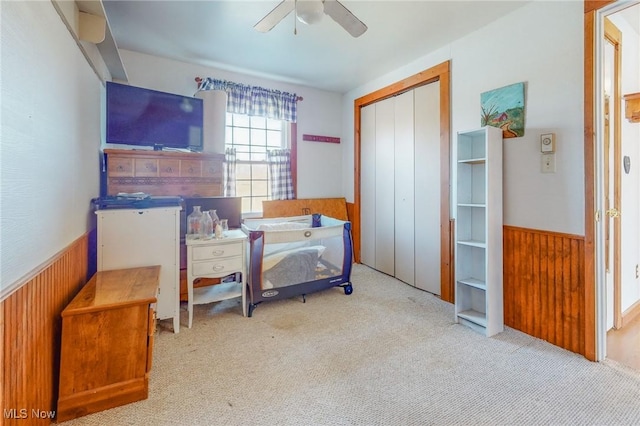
504	108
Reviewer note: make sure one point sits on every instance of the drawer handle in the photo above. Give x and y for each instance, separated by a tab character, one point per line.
218	268
217	252
120	168
169	170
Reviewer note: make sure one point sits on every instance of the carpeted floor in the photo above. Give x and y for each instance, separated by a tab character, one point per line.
388	354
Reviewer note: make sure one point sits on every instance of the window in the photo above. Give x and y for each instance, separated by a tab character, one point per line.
252	137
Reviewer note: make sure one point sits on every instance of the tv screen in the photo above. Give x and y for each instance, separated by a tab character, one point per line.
144	117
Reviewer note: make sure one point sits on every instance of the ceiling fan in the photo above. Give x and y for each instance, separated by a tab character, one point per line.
310	12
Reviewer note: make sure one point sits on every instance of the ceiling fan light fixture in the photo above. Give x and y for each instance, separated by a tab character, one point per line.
309	11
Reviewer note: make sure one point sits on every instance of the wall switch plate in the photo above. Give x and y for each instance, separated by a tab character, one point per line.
548	163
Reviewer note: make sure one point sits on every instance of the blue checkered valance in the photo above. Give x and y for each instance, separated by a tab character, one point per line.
254	100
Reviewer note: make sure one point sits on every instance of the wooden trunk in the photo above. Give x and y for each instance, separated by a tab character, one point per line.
107	342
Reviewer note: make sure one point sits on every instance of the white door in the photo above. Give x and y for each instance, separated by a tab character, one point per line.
400	187
404	241
427	187
368	185
384	186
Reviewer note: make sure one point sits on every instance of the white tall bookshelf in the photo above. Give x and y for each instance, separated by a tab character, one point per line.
478	251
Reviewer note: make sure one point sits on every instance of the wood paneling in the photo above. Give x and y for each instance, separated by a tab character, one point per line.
544	293
30	334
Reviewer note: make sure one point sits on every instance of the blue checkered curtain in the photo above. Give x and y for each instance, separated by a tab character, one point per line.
230	172
280	174
254	100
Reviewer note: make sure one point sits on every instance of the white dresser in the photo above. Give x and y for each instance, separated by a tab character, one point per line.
216	258
131	238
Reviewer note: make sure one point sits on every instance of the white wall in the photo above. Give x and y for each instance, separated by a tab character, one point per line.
50	139
540	44
319	113
630	195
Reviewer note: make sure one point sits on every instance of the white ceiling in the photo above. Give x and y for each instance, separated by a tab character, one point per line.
220	34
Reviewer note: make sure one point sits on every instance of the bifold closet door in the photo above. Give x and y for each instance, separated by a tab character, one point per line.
404	243
427	184
385	186
368	185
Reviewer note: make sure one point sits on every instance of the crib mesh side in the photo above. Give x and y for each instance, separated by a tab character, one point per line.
295	257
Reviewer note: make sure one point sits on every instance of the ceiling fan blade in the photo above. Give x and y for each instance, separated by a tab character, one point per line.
344	17
276	15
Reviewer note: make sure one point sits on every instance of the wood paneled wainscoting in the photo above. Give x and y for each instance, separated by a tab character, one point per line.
30	325
544	286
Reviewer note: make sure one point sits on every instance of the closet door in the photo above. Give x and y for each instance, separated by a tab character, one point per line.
404	187
384	186
368	185
427	183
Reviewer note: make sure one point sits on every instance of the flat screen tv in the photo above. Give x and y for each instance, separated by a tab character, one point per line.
149	118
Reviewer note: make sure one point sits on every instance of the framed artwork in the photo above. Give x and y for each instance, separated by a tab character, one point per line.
504	108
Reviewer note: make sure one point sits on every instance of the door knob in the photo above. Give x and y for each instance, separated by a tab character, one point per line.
613	212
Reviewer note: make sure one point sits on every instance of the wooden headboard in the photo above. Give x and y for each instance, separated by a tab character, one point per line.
332	207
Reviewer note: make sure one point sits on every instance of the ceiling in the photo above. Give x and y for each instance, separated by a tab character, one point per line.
220	34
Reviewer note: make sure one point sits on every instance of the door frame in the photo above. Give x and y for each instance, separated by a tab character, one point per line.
594	290
441	73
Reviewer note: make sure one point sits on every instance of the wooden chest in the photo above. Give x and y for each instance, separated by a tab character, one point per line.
107	342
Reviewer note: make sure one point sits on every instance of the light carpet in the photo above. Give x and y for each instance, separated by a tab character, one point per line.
388	354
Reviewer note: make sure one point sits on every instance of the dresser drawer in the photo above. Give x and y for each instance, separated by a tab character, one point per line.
211	168
146	167
169	168
120	167
190	168
221	266
217	251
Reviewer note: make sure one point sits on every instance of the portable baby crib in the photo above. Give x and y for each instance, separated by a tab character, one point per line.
296	256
